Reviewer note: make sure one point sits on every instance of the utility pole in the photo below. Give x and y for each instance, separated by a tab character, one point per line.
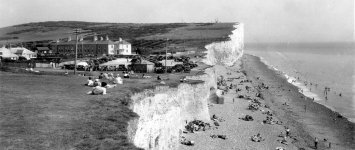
166	53
76	31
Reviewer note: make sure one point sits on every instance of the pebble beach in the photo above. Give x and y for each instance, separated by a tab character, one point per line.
252	83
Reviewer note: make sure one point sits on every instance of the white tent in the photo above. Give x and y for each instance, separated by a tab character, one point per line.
6	53
170	62
83	63
119	61
78	63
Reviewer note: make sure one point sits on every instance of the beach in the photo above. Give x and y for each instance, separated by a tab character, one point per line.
288	108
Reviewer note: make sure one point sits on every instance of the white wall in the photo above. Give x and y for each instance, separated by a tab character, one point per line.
125	49
111	49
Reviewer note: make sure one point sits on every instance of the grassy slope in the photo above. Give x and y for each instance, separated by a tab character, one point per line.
54	30
191	37
53	112
194	34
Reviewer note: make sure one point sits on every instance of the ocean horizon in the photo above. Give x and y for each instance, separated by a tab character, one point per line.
313	67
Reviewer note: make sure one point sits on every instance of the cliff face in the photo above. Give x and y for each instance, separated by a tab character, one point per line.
163	112
228	52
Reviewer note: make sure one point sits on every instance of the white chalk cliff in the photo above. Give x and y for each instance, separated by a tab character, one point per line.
163	111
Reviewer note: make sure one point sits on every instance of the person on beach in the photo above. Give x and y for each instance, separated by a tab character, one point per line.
125	75
117	80
97	83
90	82
101	76
98	90
316	143
287	131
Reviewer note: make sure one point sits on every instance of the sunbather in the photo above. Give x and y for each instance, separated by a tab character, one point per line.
90	82
98	89
118	80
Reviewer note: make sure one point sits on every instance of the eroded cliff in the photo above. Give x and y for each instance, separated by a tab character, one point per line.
163	111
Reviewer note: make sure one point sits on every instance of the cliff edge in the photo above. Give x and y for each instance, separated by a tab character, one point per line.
164	111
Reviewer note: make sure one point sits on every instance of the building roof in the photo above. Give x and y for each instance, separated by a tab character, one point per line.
122	42
86	42
6	53
119	61
20	50
146	62
43	48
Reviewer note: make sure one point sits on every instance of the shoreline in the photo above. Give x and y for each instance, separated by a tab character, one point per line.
310	118
318	121
303	89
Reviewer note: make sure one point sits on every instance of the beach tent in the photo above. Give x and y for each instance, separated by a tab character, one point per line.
170	63
83	63
72	63
6	53
117	62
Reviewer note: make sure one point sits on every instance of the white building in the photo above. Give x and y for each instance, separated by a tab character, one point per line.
6	53
123	47
21	51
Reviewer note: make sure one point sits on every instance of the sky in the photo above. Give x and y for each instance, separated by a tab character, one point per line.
265	20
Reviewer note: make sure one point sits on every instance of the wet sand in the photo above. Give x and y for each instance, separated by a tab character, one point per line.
316	121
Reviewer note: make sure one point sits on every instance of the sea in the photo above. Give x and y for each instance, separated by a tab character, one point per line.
314	66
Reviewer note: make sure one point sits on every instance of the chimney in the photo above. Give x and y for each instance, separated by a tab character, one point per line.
95	38
107	38
69	38
101	38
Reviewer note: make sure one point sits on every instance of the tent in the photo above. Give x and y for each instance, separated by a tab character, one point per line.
6	53
117	62
78	63
83	63
170	63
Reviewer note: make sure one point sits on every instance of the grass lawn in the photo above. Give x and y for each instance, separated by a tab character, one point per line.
53	112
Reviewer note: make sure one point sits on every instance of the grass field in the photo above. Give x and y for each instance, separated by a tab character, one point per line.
53	112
